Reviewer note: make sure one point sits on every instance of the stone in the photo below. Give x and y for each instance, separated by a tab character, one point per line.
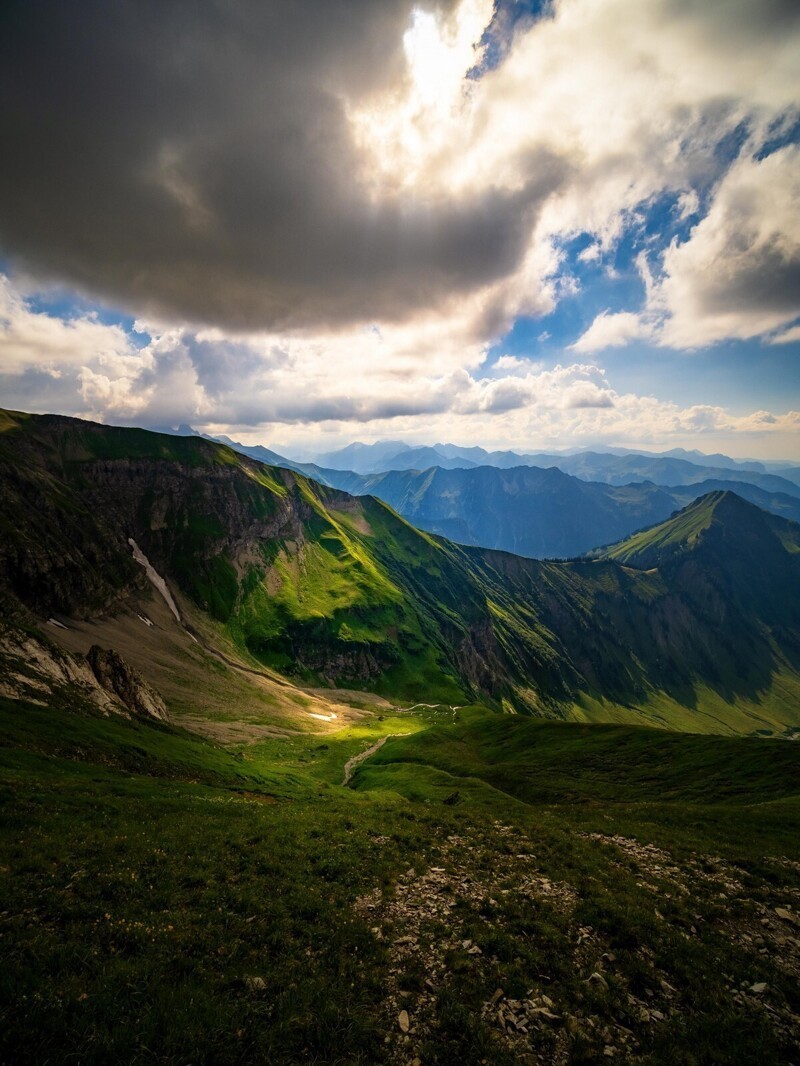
403	1021
597	979
125	683
543	1012
759	988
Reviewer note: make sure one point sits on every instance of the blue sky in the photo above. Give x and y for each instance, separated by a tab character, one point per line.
519	224
739	374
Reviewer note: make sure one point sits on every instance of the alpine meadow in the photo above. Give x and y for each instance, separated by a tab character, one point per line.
400	533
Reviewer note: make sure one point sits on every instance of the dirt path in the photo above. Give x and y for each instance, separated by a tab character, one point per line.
430	706
356	760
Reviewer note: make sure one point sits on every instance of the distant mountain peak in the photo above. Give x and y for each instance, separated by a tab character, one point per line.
720	515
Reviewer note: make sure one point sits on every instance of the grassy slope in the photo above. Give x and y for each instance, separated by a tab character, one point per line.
548	762
685	531
345	591
651	546
147	874
320	586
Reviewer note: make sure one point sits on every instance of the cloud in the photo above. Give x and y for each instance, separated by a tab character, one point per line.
308	167
788	336
50	343
335	386
323	224
612	330
199	164
738	274
511	363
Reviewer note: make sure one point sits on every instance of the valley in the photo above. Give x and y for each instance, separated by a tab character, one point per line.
410	801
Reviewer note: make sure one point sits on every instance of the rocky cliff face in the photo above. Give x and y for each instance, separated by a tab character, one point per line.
34	669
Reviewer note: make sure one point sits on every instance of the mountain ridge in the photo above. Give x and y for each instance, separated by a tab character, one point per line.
335	590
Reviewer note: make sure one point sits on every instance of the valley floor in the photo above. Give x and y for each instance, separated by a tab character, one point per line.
484	891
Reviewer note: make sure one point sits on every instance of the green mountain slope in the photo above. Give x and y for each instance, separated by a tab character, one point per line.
526	510
752	557
541	513
340	591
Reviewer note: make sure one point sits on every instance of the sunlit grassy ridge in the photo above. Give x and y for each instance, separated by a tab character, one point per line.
685	531
547	762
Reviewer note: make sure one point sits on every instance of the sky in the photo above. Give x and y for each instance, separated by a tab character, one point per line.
529	225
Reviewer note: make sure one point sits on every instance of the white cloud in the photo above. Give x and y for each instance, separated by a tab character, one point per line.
511	363
393	186
788	336
52	344
633	99
400	180
738	274
688	204
417	381
611	331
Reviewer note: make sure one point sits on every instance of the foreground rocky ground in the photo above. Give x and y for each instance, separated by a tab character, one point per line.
446	924
483	892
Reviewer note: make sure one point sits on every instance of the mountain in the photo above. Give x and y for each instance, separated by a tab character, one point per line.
271	458
616	467
732	559
305	585
363	458
779	503
526	510
257	451
541	513
622	469
719	527
259	741
790	473
694	455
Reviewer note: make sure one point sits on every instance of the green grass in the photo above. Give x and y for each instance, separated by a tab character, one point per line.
148	875
547	762
651	546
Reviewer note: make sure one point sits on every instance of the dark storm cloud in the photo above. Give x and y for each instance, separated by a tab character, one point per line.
193	160
768	279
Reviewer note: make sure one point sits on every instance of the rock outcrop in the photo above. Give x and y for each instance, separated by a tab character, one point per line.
118	678
37	671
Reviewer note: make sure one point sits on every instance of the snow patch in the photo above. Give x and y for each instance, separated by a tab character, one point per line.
157	581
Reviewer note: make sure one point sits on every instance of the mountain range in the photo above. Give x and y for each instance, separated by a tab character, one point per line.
695	623
538	511
613	465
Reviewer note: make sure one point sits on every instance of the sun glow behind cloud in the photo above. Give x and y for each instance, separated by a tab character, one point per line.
403	130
